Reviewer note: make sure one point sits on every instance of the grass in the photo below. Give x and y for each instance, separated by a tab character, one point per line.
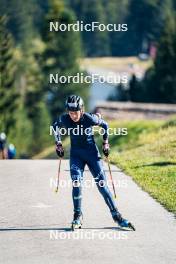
115	63
148	155
50	153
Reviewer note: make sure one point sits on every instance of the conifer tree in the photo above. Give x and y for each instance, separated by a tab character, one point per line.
8	91
61	57
164	78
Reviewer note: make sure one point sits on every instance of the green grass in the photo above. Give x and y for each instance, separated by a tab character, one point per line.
148	155
50	153
115	63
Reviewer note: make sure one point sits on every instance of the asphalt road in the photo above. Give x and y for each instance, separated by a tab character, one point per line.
35	221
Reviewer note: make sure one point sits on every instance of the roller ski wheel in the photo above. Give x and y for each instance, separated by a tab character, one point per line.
123	222
77	222
76	226
131	226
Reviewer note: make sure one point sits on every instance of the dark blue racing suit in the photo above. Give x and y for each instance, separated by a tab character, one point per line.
84	151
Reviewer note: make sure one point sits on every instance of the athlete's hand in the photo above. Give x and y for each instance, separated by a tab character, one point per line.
106	149
59	150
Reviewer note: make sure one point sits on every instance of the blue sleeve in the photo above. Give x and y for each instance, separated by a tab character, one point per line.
104	125
56	128
97	121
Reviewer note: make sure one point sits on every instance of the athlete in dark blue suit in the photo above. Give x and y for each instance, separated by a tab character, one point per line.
84	150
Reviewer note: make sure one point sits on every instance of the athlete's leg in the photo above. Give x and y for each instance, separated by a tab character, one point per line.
76	171
95	165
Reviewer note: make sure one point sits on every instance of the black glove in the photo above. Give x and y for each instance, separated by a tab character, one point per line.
106	149
59	150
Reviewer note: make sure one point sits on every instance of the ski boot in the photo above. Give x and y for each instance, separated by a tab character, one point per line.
77	221
123	222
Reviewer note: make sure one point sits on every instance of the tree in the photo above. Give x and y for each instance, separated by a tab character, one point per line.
164	75
8	91
95	43
120	94
33	98
143	30
21	19
160	81
61	57
117	13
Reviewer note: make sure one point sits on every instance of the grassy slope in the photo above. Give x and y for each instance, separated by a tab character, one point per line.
148	154
50	153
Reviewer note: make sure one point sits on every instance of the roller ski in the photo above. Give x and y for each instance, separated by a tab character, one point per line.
123	222
77	221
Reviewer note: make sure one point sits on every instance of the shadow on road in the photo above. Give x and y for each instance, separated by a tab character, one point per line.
104	170
164	163
103	228
61	229
35	229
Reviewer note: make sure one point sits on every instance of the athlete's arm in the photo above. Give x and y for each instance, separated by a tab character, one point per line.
56	129
96	120
104	125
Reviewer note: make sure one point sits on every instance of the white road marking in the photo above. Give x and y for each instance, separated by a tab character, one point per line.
41	205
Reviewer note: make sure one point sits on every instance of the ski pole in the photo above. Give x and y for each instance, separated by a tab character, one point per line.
58	176
115	196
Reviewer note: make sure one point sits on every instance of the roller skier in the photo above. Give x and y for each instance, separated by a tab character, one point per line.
85	151
3	154
7	151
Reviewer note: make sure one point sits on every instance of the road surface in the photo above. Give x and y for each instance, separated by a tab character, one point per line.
35	221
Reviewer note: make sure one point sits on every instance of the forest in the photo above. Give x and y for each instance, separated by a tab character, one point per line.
30	52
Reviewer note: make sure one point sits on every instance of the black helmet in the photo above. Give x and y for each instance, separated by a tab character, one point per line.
74	103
